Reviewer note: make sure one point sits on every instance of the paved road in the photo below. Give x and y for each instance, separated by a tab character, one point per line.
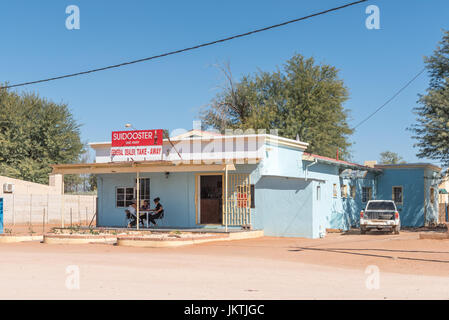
268	268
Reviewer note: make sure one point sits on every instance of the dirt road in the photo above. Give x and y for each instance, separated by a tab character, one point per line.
267	268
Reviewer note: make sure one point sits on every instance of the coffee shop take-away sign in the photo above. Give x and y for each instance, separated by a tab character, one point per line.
137	145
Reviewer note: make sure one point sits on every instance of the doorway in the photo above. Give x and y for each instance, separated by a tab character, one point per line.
211	199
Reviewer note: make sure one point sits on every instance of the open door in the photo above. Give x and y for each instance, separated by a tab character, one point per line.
211	199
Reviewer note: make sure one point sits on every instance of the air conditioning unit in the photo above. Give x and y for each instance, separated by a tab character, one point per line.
8	188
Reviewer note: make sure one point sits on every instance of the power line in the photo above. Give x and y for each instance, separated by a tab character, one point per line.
391	99
185	49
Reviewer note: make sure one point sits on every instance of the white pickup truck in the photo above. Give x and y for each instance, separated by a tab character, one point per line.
380	215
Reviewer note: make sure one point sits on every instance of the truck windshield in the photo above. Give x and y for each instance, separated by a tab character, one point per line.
381	205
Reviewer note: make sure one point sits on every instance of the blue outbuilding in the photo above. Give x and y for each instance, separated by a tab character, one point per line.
262	181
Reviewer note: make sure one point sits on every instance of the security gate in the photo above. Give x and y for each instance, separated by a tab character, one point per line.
238	200
1	215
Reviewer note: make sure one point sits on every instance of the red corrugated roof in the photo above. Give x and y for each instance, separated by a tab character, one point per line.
336	160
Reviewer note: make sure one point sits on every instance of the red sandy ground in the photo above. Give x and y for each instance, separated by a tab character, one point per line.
266	268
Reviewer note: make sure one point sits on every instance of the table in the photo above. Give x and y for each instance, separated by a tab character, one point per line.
147	212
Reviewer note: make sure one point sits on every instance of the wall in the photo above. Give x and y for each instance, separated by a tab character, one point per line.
412	181
29	201
26	208
337	212
444	198
177	195
284	207
25	187
431	205
282	161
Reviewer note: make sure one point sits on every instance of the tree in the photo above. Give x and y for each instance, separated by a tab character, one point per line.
389	157
34	134
302	100
432	128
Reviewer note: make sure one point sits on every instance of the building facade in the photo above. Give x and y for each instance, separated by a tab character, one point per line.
270	183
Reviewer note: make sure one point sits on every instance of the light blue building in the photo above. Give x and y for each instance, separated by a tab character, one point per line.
267	182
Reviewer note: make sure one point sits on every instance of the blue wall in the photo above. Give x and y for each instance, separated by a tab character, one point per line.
284	207
431	207
416	209
177	195
412	182
338	212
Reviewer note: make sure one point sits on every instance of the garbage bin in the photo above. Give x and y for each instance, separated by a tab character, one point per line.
1	215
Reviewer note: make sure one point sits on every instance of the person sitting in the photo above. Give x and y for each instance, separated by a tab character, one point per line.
158	211
146	206
131	214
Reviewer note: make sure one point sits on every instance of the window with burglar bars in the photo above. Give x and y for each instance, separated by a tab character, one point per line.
397	194
367	193
144	190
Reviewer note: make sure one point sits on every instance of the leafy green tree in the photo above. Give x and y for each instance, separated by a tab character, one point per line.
301	100
34	134
432	127
389	157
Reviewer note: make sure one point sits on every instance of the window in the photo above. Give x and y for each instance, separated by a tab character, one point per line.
123	197
367	193
144	189
344	191
352	190
253	201
335	190
397	194
432	195
381	205
318	193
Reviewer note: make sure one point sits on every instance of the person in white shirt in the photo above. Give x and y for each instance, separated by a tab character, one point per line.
133	209
132	218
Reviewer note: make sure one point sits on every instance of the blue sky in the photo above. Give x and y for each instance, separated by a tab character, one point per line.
168	93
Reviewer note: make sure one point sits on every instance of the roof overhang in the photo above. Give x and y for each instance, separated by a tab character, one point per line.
338	163
149	166
408	166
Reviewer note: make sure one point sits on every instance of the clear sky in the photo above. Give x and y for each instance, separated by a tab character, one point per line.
168	93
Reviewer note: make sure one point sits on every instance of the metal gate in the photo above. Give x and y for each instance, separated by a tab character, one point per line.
443	207
1	215
238	200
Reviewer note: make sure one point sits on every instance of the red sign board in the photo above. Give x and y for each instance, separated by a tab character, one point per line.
138	145
137	138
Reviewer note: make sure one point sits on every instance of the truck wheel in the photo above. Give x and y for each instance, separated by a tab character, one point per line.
362	231
396	229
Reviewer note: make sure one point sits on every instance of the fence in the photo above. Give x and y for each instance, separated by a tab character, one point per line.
32	209
443	214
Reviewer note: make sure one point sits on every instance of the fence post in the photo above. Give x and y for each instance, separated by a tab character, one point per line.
87	217
79	211
13	211
43	222
70	217
48	206
31	207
